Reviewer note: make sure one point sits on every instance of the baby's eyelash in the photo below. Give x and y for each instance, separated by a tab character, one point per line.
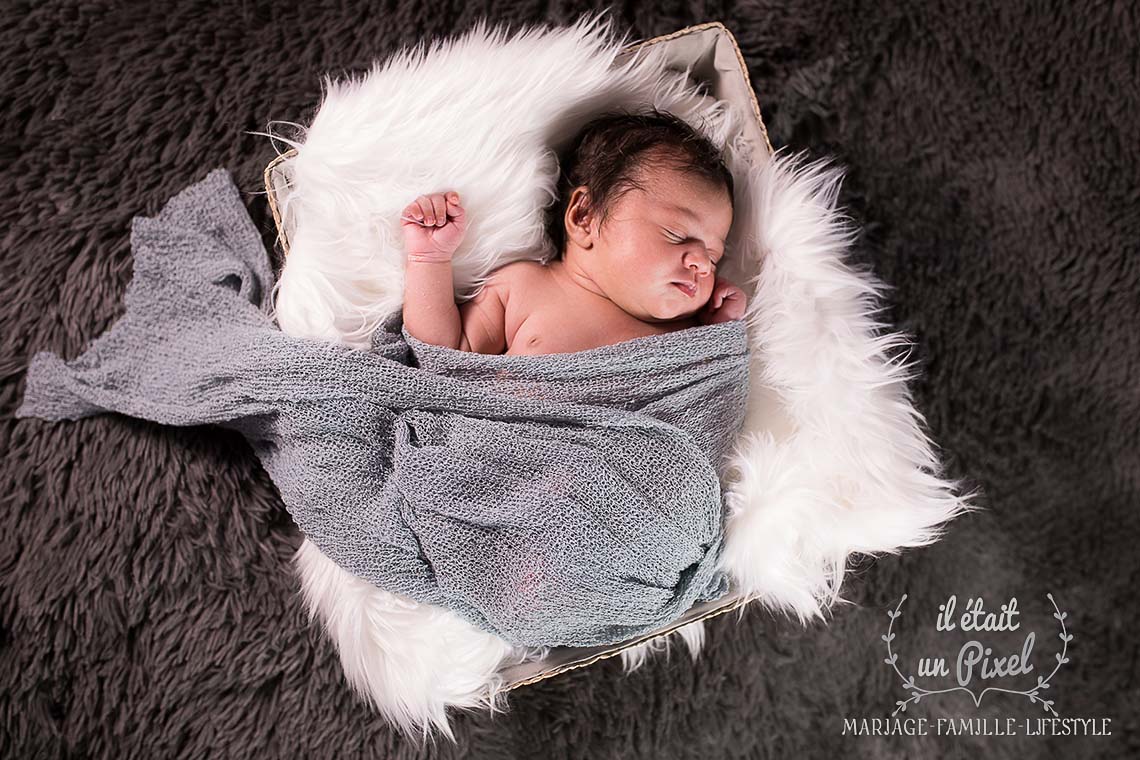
679	239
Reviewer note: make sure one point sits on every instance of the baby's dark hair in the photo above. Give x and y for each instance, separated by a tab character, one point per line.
608	152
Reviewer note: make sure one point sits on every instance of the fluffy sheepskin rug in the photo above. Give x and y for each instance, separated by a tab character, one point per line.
833	461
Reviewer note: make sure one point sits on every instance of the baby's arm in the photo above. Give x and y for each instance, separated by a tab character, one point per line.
433	226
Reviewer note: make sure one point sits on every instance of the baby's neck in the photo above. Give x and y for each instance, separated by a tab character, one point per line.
568	271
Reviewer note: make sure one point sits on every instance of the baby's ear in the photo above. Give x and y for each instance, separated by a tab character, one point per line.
579	217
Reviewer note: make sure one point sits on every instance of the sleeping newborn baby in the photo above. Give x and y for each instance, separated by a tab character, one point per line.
645	207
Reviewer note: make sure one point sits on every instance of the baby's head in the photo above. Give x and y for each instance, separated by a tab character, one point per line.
644	209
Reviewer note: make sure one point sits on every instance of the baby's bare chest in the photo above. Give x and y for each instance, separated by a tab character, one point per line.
548	320
548	332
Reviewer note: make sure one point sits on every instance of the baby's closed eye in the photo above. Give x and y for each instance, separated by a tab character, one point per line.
677	239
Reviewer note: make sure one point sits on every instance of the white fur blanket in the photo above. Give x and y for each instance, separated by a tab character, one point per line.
833	461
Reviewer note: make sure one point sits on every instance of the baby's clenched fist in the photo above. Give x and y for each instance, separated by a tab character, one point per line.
433	226
726	303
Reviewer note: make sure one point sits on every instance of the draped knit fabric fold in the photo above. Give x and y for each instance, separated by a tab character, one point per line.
567	499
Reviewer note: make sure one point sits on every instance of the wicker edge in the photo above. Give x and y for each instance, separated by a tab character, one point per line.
271	194
739	60
626	645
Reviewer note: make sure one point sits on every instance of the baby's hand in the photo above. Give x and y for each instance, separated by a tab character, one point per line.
726	303
433	226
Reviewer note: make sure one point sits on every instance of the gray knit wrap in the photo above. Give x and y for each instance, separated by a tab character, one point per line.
567	499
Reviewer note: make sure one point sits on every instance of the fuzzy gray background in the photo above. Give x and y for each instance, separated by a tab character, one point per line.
147	603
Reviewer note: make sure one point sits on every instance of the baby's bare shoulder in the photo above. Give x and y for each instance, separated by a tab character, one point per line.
518	272
520	277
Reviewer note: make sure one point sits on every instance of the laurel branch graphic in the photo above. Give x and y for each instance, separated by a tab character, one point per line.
917	692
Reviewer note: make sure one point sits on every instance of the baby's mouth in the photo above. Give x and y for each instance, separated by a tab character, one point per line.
687	288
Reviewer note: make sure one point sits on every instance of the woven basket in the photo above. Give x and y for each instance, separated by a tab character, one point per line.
711	53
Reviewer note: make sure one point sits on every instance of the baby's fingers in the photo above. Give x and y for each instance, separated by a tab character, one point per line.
439	209
433	210
427	209
422	210
453	207
412	212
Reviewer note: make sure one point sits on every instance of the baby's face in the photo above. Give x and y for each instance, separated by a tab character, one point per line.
656	256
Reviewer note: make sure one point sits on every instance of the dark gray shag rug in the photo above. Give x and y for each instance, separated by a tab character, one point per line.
147	602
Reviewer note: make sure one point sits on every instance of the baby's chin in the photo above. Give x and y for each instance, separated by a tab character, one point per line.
670	313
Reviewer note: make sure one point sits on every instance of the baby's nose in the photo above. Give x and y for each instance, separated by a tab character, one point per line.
699	262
